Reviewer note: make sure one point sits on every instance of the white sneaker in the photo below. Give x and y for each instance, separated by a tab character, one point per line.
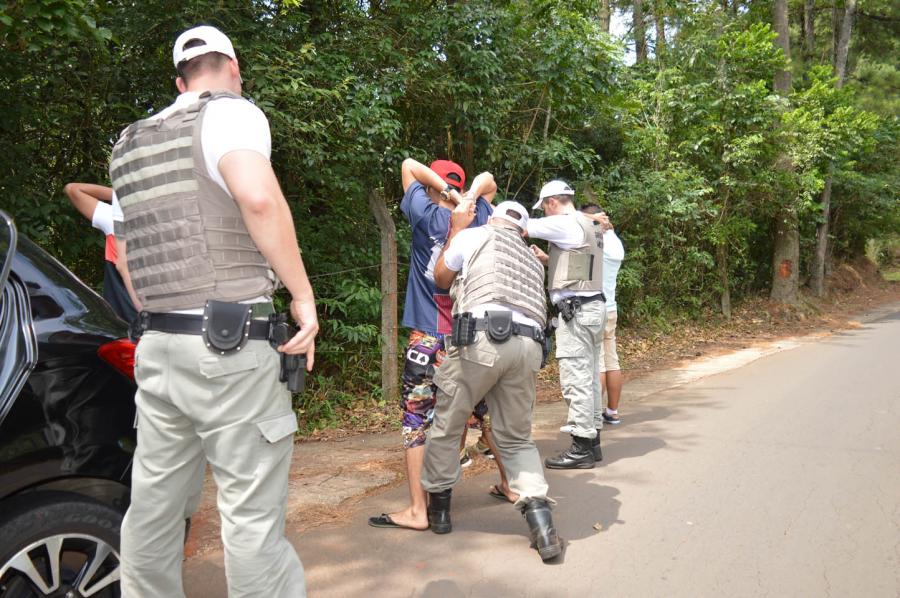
567	429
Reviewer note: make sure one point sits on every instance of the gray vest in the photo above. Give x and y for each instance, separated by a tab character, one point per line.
502	271
186	238
579	269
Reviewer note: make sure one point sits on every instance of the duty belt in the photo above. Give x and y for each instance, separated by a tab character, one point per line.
532	332
568	306
194	323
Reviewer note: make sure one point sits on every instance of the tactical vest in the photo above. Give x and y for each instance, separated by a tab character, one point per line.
581	268
186	238
502	271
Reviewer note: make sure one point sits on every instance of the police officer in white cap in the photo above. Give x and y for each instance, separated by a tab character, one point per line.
206	233
575	281
495	352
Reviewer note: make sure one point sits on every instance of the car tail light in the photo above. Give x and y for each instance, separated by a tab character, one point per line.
120	355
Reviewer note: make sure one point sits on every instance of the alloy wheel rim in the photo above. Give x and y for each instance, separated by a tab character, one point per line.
69	565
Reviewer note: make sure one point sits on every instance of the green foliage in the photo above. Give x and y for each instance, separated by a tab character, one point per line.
680	151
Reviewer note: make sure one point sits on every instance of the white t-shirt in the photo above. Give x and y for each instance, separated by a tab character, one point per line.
563	231
229	124
102	219
461	248
613	254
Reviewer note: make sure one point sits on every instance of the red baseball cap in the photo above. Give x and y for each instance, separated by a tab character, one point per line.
451	172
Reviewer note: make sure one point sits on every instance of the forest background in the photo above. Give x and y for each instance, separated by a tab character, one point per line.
739	147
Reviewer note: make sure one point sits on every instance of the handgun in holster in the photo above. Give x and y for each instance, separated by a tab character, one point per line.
293	367
567	308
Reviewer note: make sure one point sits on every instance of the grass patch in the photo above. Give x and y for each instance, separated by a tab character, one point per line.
892	275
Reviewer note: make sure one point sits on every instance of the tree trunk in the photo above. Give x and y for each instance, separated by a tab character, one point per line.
640	36
786	257
843	49
817	279
809	28
722	265
783	41
786	254
817	276
659	19
390	373
836	19
605	15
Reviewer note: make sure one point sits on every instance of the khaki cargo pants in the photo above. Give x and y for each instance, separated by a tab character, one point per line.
504	375
579	351
232	411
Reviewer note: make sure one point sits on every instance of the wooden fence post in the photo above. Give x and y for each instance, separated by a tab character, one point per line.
390	373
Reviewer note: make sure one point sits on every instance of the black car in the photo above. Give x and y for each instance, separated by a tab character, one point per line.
66	428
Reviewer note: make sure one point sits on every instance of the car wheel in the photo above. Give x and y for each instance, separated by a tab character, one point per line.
62	545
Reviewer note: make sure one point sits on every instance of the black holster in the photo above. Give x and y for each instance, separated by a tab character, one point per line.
293	367
567	308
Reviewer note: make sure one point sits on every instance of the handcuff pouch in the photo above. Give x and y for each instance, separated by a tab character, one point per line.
499	325
226	326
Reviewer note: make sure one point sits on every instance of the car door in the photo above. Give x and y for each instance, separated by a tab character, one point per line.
18	346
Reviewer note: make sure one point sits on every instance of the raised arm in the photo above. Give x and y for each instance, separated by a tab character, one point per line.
84	196
460	220
484	186
251	180
411	170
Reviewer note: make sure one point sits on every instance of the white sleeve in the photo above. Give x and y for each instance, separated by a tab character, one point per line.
230	124
102	219
460	248
562	230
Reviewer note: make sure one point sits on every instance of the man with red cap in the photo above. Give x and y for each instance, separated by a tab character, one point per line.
430	194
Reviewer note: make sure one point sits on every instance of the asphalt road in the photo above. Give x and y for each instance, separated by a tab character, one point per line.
781	478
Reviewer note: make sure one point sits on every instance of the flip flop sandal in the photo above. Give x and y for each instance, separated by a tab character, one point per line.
384	520
498	494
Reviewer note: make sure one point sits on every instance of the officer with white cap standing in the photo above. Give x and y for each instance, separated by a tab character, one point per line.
499	313
206	233
575	281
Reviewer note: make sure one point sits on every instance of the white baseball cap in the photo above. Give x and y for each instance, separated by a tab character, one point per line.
214	41
553	188
512	211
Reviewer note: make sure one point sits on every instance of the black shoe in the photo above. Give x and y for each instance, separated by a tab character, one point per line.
610	419
579	456
595	447
439	511
543	535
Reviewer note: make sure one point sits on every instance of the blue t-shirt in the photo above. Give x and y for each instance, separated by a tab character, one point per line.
427	308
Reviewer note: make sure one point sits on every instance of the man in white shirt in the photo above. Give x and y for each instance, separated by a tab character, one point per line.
499	313
575	281
610	372
200	217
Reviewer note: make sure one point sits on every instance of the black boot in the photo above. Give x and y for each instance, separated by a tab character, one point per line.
595	447
543	535
439	511
579	456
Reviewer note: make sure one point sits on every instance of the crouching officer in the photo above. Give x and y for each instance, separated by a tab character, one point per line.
495	352
203	224
575	281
